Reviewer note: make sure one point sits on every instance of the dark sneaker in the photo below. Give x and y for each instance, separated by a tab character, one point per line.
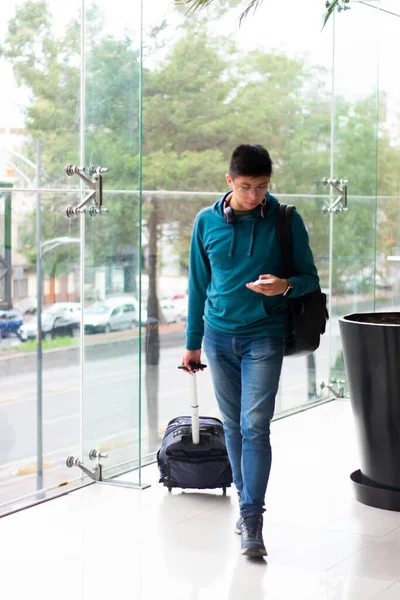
252	540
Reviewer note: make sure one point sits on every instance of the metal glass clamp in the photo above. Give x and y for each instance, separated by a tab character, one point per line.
336	386
96	454
95	195
340	203
97	472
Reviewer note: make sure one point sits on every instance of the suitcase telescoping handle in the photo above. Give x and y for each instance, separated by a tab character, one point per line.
194	405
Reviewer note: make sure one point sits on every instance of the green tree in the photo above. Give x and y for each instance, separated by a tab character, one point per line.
48	65
196	110
284	103
364	156
44	65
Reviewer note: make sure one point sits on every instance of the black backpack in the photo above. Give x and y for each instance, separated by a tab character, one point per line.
308	314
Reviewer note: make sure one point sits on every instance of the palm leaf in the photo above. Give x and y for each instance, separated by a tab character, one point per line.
198	4
194	5
330	10
254	4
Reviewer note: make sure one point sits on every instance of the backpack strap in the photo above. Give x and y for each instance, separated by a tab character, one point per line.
284	230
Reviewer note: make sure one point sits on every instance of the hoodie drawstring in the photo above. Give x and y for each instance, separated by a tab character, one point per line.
250	250
232	241
251	243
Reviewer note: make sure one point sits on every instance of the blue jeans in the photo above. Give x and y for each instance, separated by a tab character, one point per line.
245	374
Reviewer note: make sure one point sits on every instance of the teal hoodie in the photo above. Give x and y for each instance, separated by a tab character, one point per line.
224	257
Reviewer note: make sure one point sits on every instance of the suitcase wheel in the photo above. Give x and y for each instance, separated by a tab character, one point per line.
224	490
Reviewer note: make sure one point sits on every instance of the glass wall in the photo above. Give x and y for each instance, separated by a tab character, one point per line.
209	85
315	100
70	385
39	134
111	126
355	161
387	278
160	98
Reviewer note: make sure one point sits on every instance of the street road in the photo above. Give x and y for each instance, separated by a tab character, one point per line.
111	399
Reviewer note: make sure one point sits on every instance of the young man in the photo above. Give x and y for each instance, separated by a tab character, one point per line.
244	324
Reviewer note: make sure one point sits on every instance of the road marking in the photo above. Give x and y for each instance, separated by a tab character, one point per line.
58	389
29	469
59	419
9	469
113	445
10	399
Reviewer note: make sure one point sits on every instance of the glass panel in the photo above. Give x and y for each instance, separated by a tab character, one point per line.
387	277
304	379
167	224
208	86
355	159
112	310
39	399
39	134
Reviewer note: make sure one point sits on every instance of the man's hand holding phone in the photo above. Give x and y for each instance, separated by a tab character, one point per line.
269	285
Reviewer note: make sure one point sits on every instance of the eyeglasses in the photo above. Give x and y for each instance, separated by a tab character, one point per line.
247	190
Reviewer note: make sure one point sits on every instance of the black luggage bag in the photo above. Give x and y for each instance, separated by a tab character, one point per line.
193	452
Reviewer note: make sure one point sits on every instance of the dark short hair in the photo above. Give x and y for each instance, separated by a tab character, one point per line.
250	160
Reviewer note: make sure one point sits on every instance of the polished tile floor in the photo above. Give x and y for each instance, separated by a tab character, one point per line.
114	543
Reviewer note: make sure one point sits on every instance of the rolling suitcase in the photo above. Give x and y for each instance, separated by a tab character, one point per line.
193	451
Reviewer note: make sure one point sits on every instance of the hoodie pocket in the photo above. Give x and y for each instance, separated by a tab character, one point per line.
236	310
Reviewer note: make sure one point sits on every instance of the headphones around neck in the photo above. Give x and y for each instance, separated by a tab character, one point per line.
230	217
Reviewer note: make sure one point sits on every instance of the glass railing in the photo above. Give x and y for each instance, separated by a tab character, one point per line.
364	280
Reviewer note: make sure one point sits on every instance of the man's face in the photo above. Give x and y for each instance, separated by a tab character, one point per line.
248	192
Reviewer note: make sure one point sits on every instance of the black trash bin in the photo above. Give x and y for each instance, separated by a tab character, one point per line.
371	348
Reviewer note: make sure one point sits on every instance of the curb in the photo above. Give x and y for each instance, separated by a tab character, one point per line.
17	362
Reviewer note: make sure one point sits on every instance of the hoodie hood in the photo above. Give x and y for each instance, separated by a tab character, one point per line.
271	212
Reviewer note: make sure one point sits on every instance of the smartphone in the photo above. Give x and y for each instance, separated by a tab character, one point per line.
194	365
263	281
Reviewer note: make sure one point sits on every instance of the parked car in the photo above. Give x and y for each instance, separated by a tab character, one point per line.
59	319
27	306
10	322
113	314
174	310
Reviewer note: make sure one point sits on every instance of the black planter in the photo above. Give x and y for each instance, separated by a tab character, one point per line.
371	347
